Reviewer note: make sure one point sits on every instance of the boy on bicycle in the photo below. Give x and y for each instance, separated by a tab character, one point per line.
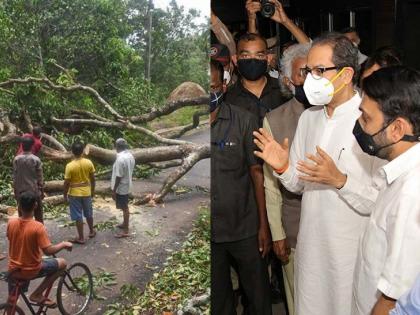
28	239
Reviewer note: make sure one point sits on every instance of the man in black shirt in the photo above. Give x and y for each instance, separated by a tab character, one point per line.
255	91
240	235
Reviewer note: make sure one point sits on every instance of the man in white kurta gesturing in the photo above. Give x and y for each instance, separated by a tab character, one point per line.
328	167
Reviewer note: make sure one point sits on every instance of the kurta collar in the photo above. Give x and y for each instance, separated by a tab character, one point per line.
347	107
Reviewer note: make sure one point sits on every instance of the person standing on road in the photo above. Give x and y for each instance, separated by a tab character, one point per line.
121	182
79	188
28	176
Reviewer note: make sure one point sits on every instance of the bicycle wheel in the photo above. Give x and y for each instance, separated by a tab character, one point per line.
75	290
5	309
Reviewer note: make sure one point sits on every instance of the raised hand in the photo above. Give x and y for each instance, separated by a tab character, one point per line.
273	153
321	170
279	15
252	7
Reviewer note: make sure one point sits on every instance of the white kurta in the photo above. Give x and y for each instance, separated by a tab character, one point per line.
331	220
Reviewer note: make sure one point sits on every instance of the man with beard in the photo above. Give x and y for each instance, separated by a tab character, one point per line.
388	260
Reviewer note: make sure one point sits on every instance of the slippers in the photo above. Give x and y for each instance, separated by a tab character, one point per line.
45	302
122	235
76	241
92	235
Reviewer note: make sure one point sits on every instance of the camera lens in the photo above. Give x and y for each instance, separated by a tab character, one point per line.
267	9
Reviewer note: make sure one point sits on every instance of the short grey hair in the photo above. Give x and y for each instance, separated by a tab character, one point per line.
121	144
290	54
345	54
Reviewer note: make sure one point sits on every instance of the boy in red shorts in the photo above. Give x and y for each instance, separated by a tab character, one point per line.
28	239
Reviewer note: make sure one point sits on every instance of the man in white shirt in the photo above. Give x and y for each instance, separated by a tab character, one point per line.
336	181
121	182
388	261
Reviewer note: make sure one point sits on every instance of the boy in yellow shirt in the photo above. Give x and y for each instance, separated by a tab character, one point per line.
79	187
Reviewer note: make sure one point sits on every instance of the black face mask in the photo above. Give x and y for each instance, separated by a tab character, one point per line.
301	96
252	69
368	144
366	141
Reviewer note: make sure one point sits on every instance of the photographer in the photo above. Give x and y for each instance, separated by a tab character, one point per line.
279	16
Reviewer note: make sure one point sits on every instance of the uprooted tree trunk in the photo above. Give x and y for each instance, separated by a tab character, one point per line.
172	153
187	163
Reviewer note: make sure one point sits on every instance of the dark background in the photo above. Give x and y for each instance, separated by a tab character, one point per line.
379	22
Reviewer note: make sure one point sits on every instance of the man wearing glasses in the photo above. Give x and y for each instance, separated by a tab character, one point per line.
328	167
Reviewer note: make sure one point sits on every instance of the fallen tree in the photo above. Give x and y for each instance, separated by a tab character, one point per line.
169	153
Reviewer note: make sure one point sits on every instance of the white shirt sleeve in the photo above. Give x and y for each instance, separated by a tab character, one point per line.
402	264
362	196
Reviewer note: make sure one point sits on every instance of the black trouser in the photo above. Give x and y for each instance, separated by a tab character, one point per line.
252	272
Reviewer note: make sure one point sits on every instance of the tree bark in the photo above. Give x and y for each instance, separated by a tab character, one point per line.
143	155
117	125
187	164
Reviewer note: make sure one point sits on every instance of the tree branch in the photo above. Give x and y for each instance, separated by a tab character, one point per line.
169	108
7	91
118	125
62	88
164	165
89	115
54	142
27	120
143	155
187	164
11	130
177	132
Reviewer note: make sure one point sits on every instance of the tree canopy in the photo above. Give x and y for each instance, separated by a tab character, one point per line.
102	43
62	56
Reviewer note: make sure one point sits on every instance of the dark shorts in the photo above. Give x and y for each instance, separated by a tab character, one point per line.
79	207
121	202
49	266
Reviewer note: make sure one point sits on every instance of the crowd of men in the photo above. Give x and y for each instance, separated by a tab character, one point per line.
318	161
27	235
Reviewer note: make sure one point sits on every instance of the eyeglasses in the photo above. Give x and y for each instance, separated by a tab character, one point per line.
316	72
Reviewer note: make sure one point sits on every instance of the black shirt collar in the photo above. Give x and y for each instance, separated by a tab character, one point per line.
270	84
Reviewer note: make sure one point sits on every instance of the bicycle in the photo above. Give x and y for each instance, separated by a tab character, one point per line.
74	292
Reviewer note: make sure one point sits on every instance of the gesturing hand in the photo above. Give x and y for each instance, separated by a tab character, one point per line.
272	152
323	171
252	7
279	15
